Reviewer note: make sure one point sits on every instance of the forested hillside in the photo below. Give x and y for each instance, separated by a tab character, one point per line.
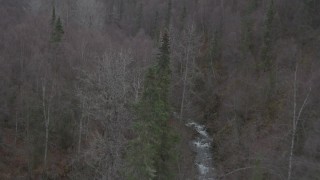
104	89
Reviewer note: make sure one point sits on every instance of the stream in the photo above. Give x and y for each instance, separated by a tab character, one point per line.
201	145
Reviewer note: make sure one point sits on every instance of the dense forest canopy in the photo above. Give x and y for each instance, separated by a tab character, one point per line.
102	89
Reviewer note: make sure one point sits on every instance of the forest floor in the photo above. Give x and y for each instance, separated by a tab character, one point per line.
14	162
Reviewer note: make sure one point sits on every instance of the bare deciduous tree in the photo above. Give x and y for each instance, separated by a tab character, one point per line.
186	53
104	98
90	13
295	119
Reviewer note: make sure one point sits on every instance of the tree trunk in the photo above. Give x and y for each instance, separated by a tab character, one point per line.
295	120
80	133
184	82
16	134
46	146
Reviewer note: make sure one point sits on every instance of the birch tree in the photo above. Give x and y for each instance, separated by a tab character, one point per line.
187	52
46	108
103	94
90	13
295	120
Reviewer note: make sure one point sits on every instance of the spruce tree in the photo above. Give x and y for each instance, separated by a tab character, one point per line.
150	153
53	23
56	27
57	31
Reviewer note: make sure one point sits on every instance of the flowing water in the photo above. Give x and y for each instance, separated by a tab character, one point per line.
201	145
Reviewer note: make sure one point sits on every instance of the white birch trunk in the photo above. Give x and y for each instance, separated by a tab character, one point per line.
295	121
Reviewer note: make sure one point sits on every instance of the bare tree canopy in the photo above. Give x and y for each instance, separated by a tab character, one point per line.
162	89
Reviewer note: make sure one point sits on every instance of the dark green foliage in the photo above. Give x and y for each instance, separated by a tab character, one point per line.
150	154
56	27
58	31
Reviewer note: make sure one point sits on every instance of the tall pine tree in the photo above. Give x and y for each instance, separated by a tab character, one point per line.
58	30
56	27
150	154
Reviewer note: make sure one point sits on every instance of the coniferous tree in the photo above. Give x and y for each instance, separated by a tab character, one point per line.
52	23
57	31
56	27
150	154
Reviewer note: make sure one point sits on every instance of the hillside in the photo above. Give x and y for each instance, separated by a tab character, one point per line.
105	89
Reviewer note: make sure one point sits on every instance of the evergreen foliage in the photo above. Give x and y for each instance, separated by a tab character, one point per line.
57	28
58	31
150	154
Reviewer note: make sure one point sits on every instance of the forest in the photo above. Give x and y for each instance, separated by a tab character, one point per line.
160	89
